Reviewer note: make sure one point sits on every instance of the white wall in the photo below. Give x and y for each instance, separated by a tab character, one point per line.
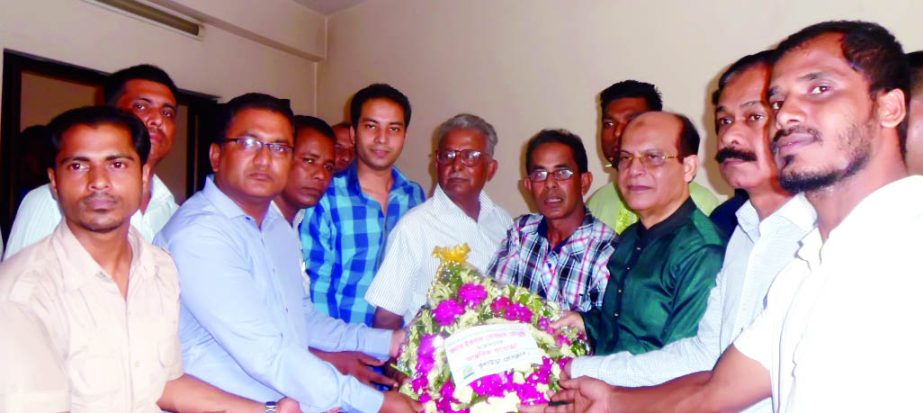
527	65
219	63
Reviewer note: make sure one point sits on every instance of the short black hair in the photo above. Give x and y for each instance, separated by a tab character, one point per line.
378	91
94	116
631	89
915	60
317	124
870	50
114	85
563	137
688	140
228	111
741	65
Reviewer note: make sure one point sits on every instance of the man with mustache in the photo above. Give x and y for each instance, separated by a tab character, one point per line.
246	322
108	299
460	212
770	225
148	93
914	147
343	236
313	166
619	104
837	334
560	253
666	263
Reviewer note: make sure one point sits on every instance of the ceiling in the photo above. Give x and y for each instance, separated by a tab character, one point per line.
328	7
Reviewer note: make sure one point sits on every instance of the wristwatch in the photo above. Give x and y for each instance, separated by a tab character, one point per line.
270	407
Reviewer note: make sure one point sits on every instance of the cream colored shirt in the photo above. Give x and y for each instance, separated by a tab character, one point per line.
118	353
33	378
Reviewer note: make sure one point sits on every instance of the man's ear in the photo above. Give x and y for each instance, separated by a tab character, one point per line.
352	134
892	108
586	181
690	164
527	184
214	156
491	169
145	178
53	183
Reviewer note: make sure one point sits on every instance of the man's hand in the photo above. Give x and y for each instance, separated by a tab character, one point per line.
570	319
287	405
397	340
565	370
398	403
583	395
356	364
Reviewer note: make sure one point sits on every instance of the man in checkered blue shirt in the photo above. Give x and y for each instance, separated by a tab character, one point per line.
560	253
343	237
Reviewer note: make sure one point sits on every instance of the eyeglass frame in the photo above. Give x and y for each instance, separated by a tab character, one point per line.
556	174
645	158
258	145
466	154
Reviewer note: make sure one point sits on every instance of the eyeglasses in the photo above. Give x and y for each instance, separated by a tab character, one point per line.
469	157
648	160
541	175
253	145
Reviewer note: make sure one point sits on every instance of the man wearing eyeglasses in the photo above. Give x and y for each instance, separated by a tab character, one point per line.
665	265
560	253
246	322
460	212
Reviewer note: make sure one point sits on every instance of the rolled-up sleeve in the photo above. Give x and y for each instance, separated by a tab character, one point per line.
217	289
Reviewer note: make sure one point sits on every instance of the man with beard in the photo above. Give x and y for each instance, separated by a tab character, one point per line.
460	212
914	144
148	93
666	263
619	104
561	252
838	331
770	225
108	299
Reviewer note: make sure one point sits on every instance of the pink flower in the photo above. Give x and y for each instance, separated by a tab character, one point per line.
425	397
562	340
519	312
545	325
472	295
494	385
499	306
447	311
419	384
529	395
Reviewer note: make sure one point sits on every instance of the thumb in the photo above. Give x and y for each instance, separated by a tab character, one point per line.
369	360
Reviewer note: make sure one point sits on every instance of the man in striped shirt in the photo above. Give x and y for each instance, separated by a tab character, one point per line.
343	236
561	252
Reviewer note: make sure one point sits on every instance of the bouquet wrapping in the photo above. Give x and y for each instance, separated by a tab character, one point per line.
479	346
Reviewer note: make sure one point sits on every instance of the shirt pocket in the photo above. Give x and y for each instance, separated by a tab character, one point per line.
96	371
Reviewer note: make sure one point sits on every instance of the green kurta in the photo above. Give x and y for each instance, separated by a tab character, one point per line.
660	279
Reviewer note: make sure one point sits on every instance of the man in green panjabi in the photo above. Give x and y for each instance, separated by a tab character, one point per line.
665	264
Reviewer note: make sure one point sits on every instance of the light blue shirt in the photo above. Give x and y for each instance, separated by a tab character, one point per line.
246	321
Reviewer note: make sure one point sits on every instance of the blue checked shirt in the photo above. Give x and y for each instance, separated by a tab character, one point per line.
343	239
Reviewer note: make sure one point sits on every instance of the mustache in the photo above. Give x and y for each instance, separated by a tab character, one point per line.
734	153
99	196
781	133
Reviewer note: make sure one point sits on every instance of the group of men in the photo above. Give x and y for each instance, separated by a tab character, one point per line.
307	251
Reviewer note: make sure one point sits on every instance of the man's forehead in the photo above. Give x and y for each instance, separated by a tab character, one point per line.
309	137
154	92
651	124
821	55
747	88
551	154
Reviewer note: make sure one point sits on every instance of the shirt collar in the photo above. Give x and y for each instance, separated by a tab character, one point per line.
159	190
352	179
586	225
674	221
80	266
299	214
442	203
227	207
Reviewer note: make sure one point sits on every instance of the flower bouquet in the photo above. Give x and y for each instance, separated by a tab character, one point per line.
479	346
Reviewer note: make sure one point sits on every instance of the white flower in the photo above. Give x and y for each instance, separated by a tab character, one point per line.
430	406
463	394
542	387
556	369
518	378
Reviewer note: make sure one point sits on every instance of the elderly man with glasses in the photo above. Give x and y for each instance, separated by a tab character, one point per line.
561	252
459	212
666	263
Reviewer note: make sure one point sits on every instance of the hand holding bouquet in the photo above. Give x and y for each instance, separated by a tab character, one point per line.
479	346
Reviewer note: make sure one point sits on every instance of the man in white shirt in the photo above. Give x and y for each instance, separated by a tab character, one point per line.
770	224
839	333
147	92
459	212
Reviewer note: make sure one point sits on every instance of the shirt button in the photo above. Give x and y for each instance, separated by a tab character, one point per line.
627	268
619	291
616	315
638	248
137	364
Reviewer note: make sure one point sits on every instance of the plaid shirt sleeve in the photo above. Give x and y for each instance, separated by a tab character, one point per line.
600	274
504	267
318	242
